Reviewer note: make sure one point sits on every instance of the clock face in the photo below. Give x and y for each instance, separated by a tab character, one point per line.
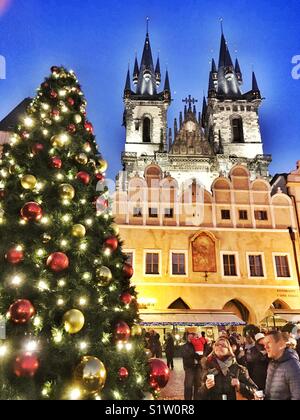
190	126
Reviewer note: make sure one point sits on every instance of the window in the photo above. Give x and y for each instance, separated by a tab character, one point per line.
237	130
137	212
152	263
178	264
169	213
229	262
249	108
147	130
256	266
225	214
235	108
242	108
282	266
153	213
261	215
129	256
243	214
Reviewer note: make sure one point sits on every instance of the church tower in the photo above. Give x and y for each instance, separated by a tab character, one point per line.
146	107
230	117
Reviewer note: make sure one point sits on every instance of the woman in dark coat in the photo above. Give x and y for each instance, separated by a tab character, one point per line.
170	351
223	378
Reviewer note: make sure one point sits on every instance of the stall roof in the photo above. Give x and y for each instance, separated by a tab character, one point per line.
288	315
190	318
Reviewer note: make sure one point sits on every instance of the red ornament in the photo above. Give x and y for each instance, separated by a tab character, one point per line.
101	204
72	128
26	365
126	298
123	332
112	243
89	127
128	271
37	148
2	194
159	374
123	373
58	262
32	212
14	256
71	101
53	94
21	311
84	177
55	113
24	135
56	162
100	177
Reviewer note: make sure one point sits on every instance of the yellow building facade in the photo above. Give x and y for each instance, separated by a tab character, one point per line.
235	248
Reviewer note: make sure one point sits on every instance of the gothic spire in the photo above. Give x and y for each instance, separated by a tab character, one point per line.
167	83
238	71
136	72
255	88
158	72
147	81
128	82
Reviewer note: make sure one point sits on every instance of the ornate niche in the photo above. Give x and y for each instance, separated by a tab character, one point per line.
204	253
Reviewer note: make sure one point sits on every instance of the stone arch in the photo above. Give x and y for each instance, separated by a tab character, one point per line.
147	129
208	199
179	304
260	185
153	175
221	183
241	310
281	200
240	171
280	304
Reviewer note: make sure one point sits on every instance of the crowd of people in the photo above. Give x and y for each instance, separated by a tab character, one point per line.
261	366
255	367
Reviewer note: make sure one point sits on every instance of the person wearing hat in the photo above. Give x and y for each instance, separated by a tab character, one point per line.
258	362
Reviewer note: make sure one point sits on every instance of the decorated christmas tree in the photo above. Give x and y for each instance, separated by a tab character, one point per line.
66	301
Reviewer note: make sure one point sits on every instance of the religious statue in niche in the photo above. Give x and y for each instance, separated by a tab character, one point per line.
204	254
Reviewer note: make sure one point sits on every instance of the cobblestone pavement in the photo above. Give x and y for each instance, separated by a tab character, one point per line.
175	388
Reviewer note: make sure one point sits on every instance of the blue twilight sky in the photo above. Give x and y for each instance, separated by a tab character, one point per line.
97	38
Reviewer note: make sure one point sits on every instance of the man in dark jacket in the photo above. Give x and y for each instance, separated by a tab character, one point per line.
258	362
190	382
170	351
283	380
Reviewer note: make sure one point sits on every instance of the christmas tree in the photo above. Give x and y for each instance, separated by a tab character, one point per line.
66	301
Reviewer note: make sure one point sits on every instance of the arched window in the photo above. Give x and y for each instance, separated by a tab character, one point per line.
147	130
237	130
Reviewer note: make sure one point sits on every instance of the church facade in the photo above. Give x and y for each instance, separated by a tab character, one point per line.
203	225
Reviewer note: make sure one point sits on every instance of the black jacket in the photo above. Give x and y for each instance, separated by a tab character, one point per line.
170	347
223	383
188	356
258	367
283	381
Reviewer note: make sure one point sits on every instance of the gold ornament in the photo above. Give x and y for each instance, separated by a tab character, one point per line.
46	238
77	118
78	231
103	165
73	321
82	159
66	192
148	353
28	182
91	375
104	276
115	228
60	140
136	331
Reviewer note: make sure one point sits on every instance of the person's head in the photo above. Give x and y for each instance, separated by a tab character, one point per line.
203	334
249	339
291	343
260	341
222	348
275	344
234	344
189	337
